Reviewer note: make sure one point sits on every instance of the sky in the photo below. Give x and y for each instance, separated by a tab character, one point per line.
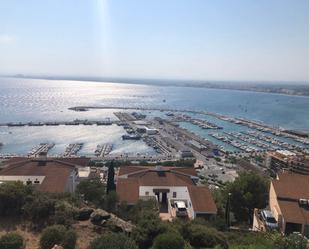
264	40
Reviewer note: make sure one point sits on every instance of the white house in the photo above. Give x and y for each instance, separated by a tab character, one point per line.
167	185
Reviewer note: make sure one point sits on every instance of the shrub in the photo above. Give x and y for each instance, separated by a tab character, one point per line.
148	227
294	241
64	213
58	234
39	208
113	241
201	236
69	240
168	240
250	240
11	241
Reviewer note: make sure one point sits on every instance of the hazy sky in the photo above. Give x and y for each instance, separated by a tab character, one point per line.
180	39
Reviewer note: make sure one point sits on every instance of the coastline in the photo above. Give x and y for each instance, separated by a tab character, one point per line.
265	87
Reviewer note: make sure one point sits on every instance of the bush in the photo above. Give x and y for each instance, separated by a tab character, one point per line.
250	240
39	208
201	236
294	241
64	213
148	227
11	241
168	240
69	240
58	234
113	241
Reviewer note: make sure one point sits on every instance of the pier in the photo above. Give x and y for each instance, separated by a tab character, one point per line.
103	150
57	123
73	149
41	148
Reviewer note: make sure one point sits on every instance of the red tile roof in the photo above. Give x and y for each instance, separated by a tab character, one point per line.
202	200
292	212
55	170
292	186
130	178
289	188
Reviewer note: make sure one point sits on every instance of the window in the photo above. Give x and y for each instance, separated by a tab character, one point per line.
174	194
146	193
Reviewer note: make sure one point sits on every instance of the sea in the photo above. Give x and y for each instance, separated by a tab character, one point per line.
34	100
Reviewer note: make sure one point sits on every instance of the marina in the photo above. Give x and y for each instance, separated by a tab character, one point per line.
204	124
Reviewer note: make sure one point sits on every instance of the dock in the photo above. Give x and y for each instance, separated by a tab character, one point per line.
41	148
57	123
73	149
103	150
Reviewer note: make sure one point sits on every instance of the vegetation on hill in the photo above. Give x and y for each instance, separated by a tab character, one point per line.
113	241
11	241
54	217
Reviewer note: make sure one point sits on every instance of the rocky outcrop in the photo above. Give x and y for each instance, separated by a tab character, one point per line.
101	218
84	213
116	224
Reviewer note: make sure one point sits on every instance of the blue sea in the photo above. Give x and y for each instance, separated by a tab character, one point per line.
48	100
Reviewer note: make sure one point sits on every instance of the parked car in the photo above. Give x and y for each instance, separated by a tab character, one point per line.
269	220
181	209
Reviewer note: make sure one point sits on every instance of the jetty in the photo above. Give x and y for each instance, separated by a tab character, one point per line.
57	123
41	148
103	150
73	149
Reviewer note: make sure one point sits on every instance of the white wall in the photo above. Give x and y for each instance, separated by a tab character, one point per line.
182	193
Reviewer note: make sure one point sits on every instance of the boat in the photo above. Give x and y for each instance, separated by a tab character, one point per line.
131	137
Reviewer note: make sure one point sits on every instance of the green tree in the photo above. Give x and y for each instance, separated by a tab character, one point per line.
110	201
92	190
248	191
113	241
13	196
110	178
169	240
11	241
